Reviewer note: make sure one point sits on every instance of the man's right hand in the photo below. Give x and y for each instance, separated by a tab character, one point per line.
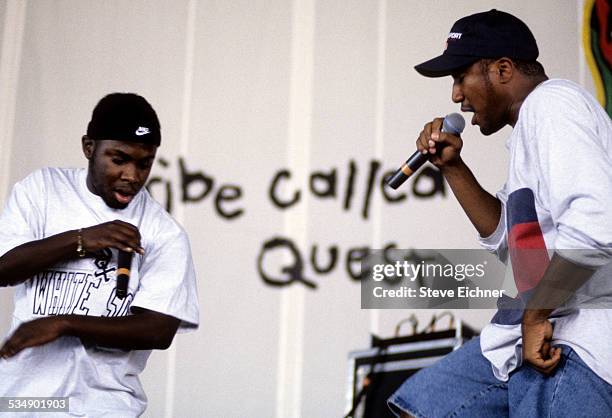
443	148
26	260
115	234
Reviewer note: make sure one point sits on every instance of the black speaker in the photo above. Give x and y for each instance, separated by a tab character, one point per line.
375	373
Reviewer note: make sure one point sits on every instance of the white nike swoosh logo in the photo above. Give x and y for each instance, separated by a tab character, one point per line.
142	131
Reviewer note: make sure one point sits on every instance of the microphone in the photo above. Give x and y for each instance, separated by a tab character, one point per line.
124	263
452	124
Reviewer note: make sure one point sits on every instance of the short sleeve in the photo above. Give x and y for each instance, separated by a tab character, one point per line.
497	242
168	280
576	170
21	220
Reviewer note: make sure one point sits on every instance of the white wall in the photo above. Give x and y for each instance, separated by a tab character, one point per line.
245	88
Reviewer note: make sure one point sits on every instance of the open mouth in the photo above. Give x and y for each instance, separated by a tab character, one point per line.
123	197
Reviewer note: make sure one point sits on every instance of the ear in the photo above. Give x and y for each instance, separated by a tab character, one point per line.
89	146
504	69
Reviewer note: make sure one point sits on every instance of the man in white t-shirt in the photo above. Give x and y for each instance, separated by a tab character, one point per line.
73	336
543	354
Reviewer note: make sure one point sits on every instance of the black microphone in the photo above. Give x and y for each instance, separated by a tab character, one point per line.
452	124
124	264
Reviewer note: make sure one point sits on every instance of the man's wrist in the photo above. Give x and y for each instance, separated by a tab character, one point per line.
80	249
453	167
535	315
63	324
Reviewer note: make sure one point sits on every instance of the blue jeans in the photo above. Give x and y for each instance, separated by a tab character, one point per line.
462	384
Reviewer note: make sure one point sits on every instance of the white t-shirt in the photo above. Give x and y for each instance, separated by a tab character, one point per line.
99	381
558	196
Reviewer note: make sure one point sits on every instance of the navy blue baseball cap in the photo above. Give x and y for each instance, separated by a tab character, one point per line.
492	34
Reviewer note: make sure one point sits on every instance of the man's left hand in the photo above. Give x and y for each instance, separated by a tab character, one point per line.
537	349
33	333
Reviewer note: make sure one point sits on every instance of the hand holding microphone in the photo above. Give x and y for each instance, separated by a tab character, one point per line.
452	124
121	235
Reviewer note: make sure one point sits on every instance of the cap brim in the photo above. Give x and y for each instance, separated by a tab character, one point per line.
444	65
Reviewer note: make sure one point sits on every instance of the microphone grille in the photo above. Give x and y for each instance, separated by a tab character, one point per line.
453	123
